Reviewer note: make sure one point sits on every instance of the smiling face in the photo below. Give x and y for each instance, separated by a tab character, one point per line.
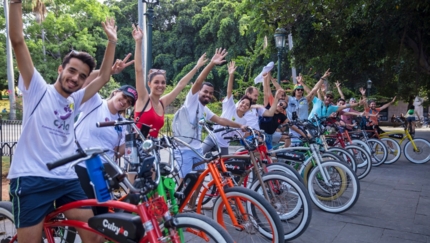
281	106
205	94
340	103
244	105
157	84
72	76
328	99
372	105
121	101
253	96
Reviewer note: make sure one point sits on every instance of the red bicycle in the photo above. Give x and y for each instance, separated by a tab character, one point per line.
148	221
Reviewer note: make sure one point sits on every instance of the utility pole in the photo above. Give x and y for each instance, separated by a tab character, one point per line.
10	76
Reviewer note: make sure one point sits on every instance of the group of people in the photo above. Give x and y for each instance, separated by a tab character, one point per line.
49	127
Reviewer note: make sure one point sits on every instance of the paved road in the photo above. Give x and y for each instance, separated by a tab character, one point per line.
394	206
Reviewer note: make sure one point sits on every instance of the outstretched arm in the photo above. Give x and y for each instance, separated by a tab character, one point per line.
170	97
231	69
300	81
318	84
339	90
266	88
275	83
225	122
271	112
140	79
22	54
105	69
388	104
363	95
217	59
361	102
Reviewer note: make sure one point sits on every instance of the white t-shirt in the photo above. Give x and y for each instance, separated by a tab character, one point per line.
192	103
252	117
228	112
47	135
89	135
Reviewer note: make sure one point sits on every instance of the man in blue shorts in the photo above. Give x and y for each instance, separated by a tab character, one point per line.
48	134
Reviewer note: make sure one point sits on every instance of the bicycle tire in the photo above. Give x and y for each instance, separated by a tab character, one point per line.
347	157
394	150
288	169
363	159
423	149
379	150
291	201
213	231
331	199
361	143
7	223
253	225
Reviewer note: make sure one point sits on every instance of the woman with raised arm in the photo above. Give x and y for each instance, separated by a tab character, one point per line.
149	108
229	111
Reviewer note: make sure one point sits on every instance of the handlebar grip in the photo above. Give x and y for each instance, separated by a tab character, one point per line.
106	124
53	165
220	129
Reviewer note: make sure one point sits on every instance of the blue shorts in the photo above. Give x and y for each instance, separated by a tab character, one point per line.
185	159
269	139
35	197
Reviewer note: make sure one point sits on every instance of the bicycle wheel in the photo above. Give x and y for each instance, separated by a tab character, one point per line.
345	155
393	148
362	157
290	199
190	223
339	193
288	169
7	224
379	151
419	156
259	222
361	144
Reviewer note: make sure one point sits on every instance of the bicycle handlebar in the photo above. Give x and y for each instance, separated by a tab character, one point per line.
63	161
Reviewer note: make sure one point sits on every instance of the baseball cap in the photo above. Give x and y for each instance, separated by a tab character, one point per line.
298	87
329	93
352	99
130	91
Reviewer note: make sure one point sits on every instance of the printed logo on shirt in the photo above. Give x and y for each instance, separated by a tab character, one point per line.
233	119
62	117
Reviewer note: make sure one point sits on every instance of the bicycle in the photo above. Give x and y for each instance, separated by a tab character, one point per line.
415	149
148	221
332	185
240	210
285	193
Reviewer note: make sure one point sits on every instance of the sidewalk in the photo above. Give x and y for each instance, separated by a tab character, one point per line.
394	206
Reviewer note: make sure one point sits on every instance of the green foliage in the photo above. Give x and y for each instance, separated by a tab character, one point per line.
106	90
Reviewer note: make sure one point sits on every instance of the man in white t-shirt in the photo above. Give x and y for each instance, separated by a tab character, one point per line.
197	98
47	133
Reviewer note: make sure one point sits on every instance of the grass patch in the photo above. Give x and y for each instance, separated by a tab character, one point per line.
5	163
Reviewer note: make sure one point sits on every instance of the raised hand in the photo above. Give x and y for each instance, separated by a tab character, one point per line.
110	29
137	33
323	87
231	67
279	93
119	64
299	79
202	60
219	56
363	91
337	84
326	74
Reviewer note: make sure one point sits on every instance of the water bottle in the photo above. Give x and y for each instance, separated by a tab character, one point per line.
131	149
95	171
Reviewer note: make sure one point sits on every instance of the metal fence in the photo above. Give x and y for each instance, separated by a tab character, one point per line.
10	131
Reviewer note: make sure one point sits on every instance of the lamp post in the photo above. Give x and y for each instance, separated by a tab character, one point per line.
280	34
150	16
369	86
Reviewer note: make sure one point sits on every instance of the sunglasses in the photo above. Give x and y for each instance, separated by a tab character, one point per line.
300	90
280	104
330	97
156	71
